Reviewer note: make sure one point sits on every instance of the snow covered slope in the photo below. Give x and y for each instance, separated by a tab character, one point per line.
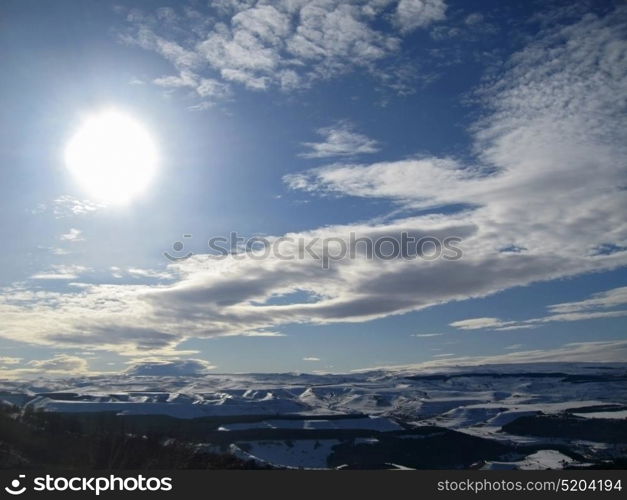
477	401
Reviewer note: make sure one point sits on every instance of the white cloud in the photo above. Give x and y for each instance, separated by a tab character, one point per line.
184	79
474	18
209	89
550	156
72	235
285	44
463	28
579	316
141	273
67	205
479	323
116	272
147	273
549	175
58	251
61	272
60	365
425	335
261	333
575	352
568	311
311	358
403	180
340	139
609	298
412	14
6	360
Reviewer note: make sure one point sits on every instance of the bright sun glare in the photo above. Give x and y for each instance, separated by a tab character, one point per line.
112	157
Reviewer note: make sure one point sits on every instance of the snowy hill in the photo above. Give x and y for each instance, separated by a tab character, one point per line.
301	420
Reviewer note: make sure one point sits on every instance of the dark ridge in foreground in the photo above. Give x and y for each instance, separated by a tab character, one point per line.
571	427
45	440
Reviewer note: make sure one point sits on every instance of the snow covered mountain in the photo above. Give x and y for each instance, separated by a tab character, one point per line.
496	416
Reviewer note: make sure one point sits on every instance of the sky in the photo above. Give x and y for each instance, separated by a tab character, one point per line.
498	127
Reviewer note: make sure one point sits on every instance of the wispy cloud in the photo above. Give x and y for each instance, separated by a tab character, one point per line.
575	352
567	311
311	358
72	235
60	365
208	88
480	323
407	181
149	273
61	272
66	205
340	139
5	360
610	298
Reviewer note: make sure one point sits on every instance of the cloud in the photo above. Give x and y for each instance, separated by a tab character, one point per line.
60	365
208	88
58	251
567	311
67	206
263	333
403	180
173	368
72	235
578	316
5	360
311	358
121	336
284	44
340	139
463	28
549	169
609	298
547	178
61	272
474	19
479	323
425	335
412	14
141	273
575	352
148	273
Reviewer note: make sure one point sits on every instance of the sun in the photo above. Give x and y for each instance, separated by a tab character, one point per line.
112	157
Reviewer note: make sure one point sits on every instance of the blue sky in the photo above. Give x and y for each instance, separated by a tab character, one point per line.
500	123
